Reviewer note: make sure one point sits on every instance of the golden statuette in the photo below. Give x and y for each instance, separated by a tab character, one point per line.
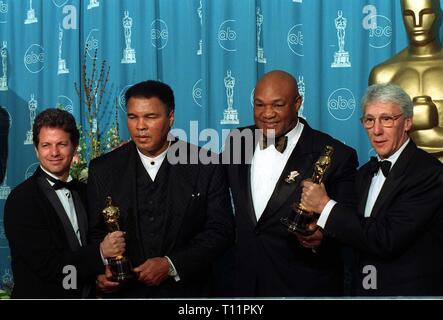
300	217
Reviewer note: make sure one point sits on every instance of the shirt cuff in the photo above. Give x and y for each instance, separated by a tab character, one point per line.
174	271
104	260
321	222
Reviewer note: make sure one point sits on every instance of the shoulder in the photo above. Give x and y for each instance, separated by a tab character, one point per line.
184	153
113	158
321	139
423	161
24	189
22	196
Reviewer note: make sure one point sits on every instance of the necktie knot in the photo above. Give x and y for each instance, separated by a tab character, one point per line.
71	185
279	143
384	165
59	184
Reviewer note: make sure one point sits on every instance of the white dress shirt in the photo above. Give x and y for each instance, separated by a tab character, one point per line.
266	168
65	198
152	165
376	184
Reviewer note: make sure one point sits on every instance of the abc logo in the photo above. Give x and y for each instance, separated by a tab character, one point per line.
3	7
227	35
59	3
251	98
295	39
380	32
65	103
371	153
197	92
341	104
121	98
34	58
92	43
31	169
159	34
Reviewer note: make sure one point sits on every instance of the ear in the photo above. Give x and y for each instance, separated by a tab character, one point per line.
297	103
408	124
36	152
171	119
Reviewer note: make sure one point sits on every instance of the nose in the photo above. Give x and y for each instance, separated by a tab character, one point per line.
269	112
417	19
54	151
141	125
378	128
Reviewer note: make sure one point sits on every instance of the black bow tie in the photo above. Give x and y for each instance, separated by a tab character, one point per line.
376	165
59	184
279	143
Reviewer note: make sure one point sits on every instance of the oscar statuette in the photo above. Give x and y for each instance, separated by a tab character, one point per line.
120	266
300	217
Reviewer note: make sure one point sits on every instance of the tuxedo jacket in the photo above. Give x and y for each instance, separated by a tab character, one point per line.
400	247
269	260
198	223
43	242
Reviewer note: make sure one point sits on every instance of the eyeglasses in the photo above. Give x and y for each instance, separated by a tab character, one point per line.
386	121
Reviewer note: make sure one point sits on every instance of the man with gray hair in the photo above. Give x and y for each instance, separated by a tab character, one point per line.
397	228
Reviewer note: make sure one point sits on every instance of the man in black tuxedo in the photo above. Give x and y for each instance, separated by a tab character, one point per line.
397	229
46	221
176	211
270	261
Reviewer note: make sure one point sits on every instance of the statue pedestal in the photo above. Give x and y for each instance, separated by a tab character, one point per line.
230	116
128	56
341	60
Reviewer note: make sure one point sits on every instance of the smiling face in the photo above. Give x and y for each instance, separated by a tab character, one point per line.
386	141
55	151
148	124
421	19
276	103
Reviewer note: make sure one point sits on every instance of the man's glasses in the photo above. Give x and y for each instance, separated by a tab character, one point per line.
386	121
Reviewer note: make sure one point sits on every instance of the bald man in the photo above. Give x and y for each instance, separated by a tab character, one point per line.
269	260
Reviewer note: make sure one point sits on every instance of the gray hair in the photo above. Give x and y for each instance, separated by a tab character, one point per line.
388	92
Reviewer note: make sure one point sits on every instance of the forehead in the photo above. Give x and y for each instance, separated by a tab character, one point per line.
270	88
143	105
418	5
382	107
49	134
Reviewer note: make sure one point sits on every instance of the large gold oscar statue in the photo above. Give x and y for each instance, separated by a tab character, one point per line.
418	69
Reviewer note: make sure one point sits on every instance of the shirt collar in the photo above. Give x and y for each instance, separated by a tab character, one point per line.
55	177
393	158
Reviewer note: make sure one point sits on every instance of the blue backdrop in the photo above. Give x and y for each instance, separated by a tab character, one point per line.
210	51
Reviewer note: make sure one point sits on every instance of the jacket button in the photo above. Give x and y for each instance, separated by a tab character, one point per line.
257	232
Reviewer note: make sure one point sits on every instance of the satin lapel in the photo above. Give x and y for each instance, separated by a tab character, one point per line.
396	175
302	160
82	218
125	193
58	207
182	182
365	183
245	180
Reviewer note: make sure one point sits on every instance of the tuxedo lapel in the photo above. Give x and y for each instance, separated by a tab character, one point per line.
301	160
245	178
365	183
396	175
82	218
60	211
182	182
125	193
